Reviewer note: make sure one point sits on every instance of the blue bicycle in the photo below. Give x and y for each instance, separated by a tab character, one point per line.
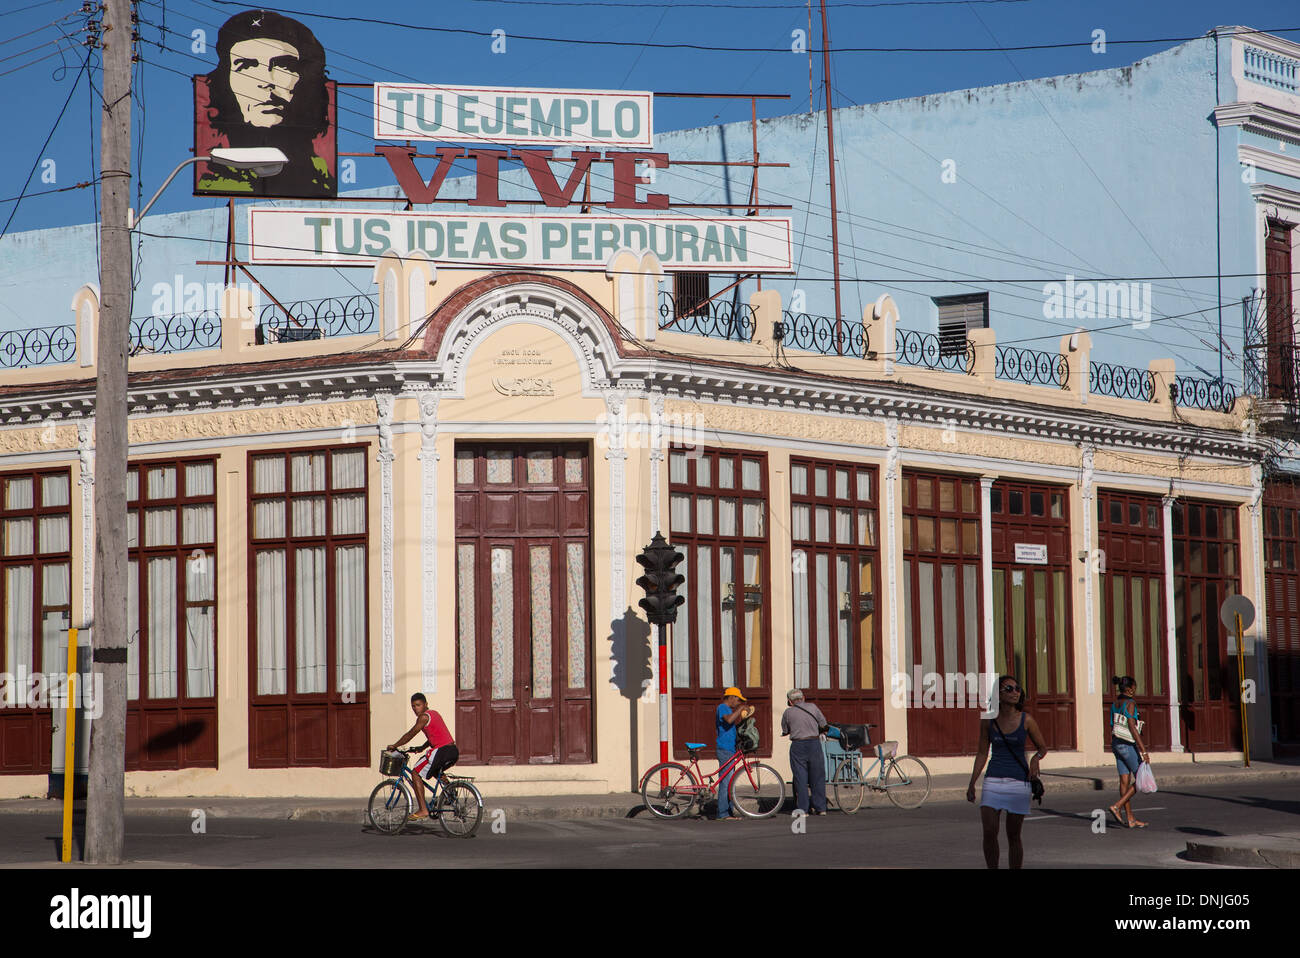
453	801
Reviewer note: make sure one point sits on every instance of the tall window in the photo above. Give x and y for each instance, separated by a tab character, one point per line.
308	589
171	545
835	568
718	518
36	589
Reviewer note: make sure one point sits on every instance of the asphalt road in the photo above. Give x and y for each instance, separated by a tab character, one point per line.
878	836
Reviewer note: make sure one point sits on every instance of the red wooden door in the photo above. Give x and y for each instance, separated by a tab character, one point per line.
1131	595
1206	571
523	563
1282	587
1280	314
1031	601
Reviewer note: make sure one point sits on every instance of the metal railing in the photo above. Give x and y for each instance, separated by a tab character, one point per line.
42	346
1121	382
819	334
316	319
912	348
1032	366
176	333
1196	393
717	319
1271	69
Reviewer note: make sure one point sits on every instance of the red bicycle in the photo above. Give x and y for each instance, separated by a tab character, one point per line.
671	789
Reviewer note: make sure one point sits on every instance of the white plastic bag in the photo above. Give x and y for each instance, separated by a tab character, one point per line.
1146	781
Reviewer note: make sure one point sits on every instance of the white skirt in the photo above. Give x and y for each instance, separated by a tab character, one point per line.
1007	795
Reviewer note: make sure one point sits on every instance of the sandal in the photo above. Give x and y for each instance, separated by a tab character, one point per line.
1118	817
1134	823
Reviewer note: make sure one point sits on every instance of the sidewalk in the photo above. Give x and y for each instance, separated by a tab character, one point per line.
944	788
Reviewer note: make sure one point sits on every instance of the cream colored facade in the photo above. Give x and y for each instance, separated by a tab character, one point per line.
474	356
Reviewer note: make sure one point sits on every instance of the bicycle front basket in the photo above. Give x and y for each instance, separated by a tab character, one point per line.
391	763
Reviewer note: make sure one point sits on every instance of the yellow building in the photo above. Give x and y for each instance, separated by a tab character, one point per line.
452	503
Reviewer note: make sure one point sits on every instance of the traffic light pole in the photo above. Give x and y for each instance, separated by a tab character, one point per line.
663	697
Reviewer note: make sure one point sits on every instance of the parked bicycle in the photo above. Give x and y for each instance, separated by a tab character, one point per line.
670	789
452	800
904	778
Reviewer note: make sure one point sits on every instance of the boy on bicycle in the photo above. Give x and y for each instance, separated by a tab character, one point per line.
441	754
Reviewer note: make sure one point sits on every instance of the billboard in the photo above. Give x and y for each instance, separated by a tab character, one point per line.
269	89
584	241
514	115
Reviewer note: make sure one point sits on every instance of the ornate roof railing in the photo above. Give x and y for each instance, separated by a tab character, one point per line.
41	346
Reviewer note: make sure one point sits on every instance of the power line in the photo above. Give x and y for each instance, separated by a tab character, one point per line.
714	48
32	6
744	7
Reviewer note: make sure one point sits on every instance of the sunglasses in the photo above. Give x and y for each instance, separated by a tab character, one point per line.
1010	688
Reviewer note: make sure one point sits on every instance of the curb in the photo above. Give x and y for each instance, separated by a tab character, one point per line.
1248	851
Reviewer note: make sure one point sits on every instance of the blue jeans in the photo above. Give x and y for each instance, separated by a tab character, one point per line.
808	763
724	784
1126	755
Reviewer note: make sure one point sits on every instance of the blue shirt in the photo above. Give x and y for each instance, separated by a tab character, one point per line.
1003	761
726	731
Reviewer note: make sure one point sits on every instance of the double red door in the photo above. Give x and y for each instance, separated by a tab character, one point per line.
523	575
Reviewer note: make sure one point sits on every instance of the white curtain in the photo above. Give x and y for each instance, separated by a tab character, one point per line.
268	474
56	583
679	513
466	634
200	647
54	491
948	596
825	602
272	642
704	614
752	514
307	472
799	480
844	584
727	516
799	560
727	574
160	527
199	479
677	467
55	532
198	524
799	523
132	630
750	477
704	515
161	586
161	483
309	627
350	617
18	618
268	520
18	494
309	516
349	514
18	537
681	632
349	469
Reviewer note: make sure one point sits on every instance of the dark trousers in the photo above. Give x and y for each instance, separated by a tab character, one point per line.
808	763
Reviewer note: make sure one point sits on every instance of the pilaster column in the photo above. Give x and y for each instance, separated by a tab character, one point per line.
1171	634
384	405
428	457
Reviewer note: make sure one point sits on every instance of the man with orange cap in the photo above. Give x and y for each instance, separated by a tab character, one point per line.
731	711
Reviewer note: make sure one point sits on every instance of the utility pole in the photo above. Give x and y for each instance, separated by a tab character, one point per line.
830	150
105	797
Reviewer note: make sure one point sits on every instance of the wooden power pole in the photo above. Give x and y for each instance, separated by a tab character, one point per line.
106	794
830	151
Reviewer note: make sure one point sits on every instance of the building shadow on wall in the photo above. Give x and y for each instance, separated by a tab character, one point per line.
631	651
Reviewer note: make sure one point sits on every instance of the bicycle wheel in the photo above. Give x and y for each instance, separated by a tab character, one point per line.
907	782
757	791
674	795
848	786
460	809
389	805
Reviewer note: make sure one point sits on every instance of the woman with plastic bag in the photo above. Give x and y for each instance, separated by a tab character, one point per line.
1126	744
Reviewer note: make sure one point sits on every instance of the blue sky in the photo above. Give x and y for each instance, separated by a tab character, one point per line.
35	83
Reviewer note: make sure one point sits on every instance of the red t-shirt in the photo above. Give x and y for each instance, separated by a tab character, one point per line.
435	730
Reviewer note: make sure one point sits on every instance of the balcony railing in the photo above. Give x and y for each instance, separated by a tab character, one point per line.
1032	366
1271	69
924	349
316	319
1121	382
718	319
1196	393
176	333
42	346
819	334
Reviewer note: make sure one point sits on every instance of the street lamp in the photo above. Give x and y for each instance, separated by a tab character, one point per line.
262	160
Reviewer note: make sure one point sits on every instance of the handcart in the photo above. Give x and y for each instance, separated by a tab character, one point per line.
904	779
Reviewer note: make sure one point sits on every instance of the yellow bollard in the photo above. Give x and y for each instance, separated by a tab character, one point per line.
69	737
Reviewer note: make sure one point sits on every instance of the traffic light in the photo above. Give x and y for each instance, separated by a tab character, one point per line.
660	581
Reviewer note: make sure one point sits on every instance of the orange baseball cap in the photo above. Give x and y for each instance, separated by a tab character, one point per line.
736	692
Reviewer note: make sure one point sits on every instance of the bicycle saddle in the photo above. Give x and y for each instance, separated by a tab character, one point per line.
695	745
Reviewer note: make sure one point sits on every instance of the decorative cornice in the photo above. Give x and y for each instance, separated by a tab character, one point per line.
1260	118
1269	161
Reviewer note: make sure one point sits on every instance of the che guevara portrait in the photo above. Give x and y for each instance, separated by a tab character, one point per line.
268	90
